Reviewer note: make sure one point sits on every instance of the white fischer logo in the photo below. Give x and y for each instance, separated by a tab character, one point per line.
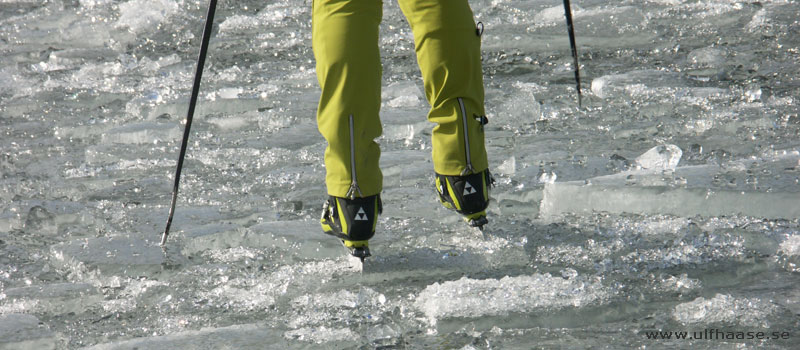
468	189
361	215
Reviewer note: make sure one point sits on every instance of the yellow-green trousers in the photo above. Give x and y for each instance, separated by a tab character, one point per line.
447	43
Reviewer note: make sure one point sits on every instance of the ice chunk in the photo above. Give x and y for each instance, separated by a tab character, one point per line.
707	57
753	93
142	133
60	298
577	197
402	94
723	308
509	166
230	92
321	334
93	3
272	15
321	308
760	23
547	177
39	220
789	253
663	157
233	122
636	82
491	297
680	284
141	15
552	15
791	246
520	102
43	217
259	292
19	331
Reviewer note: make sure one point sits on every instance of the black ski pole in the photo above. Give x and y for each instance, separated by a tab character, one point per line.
568	13
212	6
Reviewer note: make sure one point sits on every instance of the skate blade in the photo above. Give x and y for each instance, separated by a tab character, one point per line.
478	222
361	253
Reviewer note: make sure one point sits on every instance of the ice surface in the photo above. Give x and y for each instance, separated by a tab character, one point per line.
39	218
491	297
246	336
60	298
289	235
110	256
93	94
18	331
726	309
142	133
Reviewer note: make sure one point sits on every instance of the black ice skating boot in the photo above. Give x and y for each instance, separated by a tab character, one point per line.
353	221
468	195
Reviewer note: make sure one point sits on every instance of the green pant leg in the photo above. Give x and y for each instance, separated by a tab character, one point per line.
345	42
448	53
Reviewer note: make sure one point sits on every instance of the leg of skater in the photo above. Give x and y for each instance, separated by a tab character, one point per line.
345	42
448	52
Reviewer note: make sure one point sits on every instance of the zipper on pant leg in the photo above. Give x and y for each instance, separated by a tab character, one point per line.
351	193
469	169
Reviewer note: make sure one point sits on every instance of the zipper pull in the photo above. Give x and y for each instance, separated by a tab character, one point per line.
479	29
482	120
